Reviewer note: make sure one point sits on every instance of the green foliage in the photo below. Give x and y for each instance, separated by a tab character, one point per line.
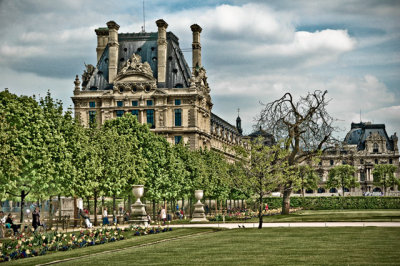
342	176
384	176
337	203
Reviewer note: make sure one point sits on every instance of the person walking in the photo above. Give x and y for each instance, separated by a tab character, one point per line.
105	217
36	218
163	215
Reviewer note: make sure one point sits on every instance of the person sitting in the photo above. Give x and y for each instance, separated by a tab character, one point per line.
10	224
126	217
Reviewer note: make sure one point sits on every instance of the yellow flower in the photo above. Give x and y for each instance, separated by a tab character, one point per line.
19	242
31	238
28	251
43	237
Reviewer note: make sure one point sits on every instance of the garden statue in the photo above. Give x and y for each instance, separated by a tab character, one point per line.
139	215
198	214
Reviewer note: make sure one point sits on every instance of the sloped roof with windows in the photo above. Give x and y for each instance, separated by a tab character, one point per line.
360	131
144	44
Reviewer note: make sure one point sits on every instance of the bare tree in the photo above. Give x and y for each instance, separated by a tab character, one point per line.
305	127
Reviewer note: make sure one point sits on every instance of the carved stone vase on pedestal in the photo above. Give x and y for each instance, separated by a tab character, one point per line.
198	214
139	215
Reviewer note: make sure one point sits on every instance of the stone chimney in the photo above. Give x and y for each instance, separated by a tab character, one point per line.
196	53
102	40
113	50
162	52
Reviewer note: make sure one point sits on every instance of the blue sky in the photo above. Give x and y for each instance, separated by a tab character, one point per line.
253	51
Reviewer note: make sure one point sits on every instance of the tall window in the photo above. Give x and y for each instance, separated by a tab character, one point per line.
178	117
331	162
177	101
362	175
120	103
92	118
149	102
150	118
135	112
178	139
134	103
92	104
120	113
390	161
376	148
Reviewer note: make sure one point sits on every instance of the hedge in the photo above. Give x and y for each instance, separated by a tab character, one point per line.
335	203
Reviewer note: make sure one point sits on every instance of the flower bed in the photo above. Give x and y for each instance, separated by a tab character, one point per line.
52	241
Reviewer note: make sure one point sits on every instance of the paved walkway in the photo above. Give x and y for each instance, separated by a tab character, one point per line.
308	224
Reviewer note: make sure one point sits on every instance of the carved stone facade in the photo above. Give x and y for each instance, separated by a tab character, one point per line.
146	74
364	146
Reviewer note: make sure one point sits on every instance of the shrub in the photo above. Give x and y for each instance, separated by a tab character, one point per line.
337	203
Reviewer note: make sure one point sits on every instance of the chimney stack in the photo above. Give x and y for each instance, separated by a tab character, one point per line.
196	53
162	52
102	40
113	50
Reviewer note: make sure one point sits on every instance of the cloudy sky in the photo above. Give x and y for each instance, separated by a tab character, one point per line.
254	51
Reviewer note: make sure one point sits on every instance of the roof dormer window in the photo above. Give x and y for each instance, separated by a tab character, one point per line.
376	148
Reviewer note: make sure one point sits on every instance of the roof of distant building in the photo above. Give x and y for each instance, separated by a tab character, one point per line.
360	131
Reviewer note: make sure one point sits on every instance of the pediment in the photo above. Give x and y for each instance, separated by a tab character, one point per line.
135	71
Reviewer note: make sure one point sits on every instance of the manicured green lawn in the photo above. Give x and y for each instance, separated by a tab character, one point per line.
272	246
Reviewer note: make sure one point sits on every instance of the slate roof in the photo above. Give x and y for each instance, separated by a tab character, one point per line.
360	131
144	44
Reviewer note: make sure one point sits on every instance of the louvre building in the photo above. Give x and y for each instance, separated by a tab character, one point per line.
146	74
364	146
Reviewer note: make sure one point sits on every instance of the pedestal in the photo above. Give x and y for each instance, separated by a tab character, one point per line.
198	214
139	215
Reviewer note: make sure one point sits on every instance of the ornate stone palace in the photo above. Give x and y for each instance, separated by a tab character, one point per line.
364	146
146	74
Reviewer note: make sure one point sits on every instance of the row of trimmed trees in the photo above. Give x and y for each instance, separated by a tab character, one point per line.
45	153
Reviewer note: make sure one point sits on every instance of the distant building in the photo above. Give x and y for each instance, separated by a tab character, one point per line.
364	146
146	74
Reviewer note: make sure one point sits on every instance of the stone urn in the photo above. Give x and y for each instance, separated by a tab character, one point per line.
198	213
139	215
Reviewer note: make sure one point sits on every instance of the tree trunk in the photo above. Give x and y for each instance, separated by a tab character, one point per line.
95	207
23	195
88	203
59	210
114	209
51	212
286	200
75	212
129	204
260	207
102	205
154	210
183	204
190	206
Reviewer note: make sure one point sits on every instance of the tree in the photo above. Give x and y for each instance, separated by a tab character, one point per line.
305	126
342	176
307	177
264	168
27	129
384	176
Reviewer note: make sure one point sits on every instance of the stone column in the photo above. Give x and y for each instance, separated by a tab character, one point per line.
162	52
102	40
196	53
113	47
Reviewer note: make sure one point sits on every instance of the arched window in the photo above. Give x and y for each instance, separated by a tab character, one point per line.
376	148
377	189
333	190
346	189
309	191
321	190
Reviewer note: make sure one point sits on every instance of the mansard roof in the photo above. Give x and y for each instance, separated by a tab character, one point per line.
360	131
144	44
